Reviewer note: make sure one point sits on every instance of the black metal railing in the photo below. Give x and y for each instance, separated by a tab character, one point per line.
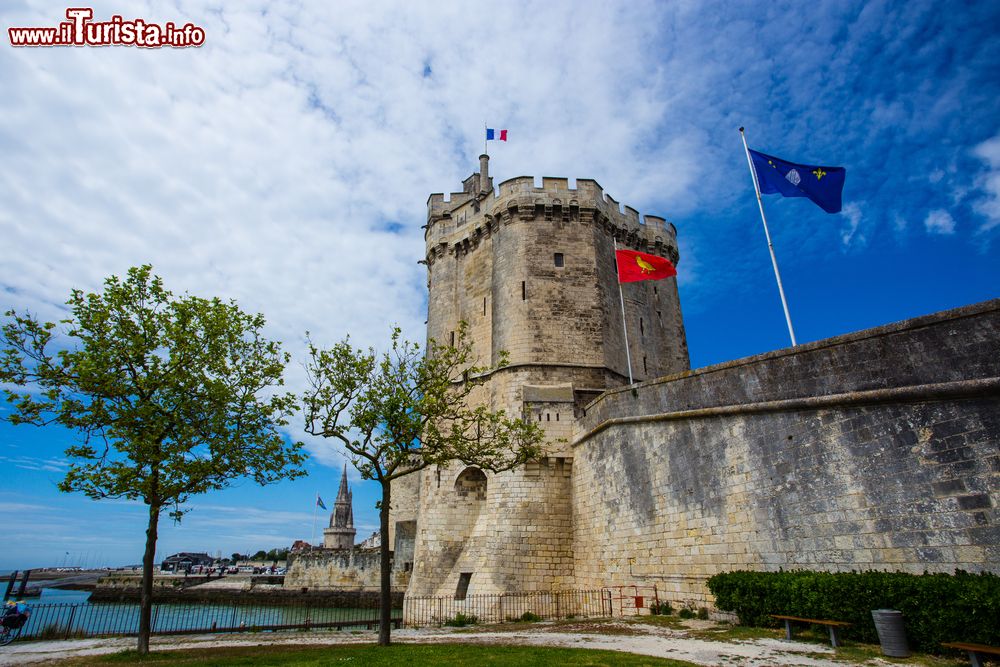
64	621
502	607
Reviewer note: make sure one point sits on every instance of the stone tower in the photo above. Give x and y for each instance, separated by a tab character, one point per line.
532	271
340	534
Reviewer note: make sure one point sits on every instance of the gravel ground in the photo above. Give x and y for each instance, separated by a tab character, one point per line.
634	638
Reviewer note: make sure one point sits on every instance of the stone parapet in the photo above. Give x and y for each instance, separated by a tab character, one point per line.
874	450
457	223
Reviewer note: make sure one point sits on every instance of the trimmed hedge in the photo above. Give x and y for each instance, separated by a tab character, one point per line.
936	607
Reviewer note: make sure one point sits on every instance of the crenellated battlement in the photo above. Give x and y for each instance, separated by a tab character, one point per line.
462	218
438	205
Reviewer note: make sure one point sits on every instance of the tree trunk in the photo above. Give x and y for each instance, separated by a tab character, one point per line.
385	596
146	597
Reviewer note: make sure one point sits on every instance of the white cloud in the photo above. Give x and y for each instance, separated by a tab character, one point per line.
850	234
287	162
35	463
988	205
899	223
21	507
939	221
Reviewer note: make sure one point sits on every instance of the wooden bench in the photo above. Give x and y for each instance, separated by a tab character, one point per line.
976	651
833	625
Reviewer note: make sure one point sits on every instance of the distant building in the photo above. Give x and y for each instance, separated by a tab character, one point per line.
340	534
338	563
184	561
374	541
300	545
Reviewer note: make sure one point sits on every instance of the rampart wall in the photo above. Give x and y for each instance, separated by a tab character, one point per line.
874	450
509	531
320	569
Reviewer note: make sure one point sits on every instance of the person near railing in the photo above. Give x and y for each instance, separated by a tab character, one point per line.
15	615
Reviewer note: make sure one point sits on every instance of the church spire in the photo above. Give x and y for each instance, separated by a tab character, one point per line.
340	534
344	495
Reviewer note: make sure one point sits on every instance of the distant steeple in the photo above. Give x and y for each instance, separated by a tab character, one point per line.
344	494
340	534
343	507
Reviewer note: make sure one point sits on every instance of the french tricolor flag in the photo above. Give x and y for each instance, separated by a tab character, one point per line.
492	134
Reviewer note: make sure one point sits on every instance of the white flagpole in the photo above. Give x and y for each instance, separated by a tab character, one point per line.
621	299
315	505
770	246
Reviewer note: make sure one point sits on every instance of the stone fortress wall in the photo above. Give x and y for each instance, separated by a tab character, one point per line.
321	569
878	449
874	450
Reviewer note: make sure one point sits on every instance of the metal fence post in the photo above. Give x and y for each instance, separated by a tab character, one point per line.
69	623
10	585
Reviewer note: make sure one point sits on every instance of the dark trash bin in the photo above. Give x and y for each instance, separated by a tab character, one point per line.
891	633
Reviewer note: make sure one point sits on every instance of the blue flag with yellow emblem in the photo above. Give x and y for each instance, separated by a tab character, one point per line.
823	185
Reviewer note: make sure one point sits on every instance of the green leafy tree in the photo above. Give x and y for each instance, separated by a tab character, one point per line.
276	554
165	392
402	411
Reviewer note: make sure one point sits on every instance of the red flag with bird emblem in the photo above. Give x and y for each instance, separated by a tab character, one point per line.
634	266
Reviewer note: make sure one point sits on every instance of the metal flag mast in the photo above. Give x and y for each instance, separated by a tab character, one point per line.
315	505
621	299
770	246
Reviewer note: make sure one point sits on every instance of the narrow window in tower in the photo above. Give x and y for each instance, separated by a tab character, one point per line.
642	330
644	369
463	585
557	416
659	318
559	259
524	291
539	416
437	473
548	417
484	305
453	339
654	291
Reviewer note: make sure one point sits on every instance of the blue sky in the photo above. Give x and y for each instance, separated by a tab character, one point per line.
287	162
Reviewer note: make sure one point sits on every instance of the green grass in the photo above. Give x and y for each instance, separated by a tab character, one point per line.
602	626
725	632
849	652
376	656
674	622
854	653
